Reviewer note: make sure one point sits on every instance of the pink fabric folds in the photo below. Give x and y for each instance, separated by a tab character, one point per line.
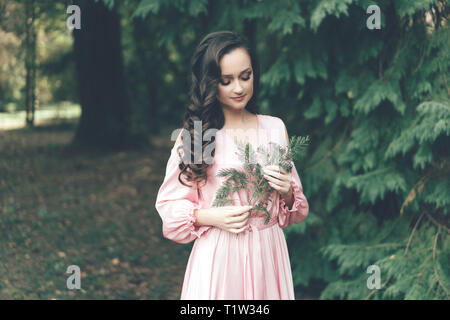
300	207
253	264
175	204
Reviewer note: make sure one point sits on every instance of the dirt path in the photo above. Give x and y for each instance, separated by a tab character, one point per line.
58	208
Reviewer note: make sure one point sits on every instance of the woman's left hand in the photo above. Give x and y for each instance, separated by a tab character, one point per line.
279	179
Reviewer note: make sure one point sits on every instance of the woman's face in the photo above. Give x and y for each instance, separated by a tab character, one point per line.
236	79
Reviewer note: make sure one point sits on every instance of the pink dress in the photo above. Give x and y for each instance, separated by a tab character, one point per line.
253	264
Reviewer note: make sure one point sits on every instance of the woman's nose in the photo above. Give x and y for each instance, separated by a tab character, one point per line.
237	87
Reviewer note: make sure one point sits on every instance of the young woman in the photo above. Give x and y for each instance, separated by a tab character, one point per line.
235	255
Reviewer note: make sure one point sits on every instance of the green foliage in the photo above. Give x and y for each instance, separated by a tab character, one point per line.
108	3
326	8
391	159
378	102
54	61
146	7
252	177
284	156
378	92
283	15
433	120
277	73
412	7
192	7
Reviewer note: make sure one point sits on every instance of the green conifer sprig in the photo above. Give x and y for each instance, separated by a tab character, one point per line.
252	178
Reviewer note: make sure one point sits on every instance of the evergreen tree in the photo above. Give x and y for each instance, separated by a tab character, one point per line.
376	104
105	117
252	176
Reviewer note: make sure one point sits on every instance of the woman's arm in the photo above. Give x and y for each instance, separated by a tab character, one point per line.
294	208
230	218
176	204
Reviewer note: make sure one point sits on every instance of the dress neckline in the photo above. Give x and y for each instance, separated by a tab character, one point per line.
258	127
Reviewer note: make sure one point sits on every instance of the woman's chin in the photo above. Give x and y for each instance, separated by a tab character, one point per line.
236	107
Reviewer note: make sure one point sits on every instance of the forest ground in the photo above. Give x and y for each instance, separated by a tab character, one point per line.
60	207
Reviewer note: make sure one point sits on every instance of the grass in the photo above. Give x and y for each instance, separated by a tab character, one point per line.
59	208
51	113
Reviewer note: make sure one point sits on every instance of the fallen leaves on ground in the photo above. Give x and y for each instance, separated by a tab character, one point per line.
60	208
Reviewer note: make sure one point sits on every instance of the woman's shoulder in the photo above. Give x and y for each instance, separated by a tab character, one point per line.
271	121
273	128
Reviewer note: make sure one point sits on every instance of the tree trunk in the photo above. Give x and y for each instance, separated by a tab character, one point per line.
146	55
105	117
30	62
250	33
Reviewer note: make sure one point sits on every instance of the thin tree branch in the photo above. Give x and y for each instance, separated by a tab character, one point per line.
434	266
437	223
412	233
375	290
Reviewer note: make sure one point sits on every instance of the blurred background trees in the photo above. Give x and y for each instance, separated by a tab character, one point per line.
98	54
375	103
36	57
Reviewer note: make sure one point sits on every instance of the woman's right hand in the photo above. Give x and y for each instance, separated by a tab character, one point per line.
230	218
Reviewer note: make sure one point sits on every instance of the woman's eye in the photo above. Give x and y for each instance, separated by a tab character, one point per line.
227	83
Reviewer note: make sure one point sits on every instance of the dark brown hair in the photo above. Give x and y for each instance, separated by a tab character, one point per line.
204	105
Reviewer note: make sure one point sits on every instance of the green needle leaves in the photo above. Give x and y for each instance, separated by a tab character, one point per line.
252	177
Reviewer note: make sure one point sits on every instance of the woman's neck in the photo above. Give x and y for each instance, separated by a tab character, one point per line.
235	119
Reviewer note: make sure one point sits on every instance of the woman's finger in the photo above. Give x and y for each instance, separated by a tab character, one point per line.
270	173
238	210
282	180
238	230
277	169
274	174
282	170
239	219
273	185
270	178
278	182
242	224
272	167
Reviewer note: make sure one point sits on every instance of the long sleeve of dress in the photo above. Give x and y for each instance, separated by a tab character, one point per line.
176	203
300	207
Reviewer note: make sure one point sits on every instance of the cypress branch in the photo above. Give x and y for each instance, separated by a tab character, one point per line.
252	178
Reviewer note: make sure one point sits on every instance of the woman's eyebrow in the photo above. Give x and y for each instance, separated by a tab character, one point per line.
230	75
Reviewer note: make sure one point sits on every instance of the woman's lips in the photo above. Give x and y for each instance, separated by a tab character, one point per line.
239	98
